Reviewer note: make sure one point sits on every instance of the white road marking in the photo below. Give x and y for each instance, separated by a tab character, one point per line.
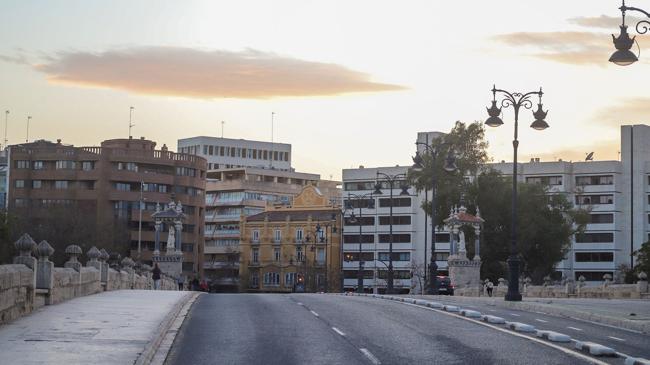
516	315
492	310
370	356
338	331
576	329
541	320
299	303
314	313
616	338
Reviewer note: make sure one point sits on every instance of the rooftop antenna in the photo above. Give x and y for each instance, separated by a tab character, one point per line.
222	123
590	156
28	119
131	125
272	146
6	120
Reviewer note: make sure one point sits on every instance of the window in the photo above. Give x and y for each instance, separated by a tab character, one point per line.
595	180
22	164
594	256
397	202
187	247
277	254
442	237
593	275
299	235
545	180
360	185
360	203
442	256
255	255
397	238
123	186
595	238
353	274
60	184
205	149
300	254
320	255
256	236
38	165
272	279
601	218
37	184
289	279
354	256
277	236
21	202
354	238
397	274
20	183
65	165
255	280
129	166
594	199
186	171
398	220
397	256
88	165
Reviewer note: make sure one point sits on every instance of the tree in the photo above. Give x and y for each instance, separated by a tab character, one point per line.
642	256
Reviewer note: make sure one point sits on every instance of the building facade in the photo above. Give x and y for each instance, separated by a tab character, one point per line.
117	182
292	248
237	192
226	153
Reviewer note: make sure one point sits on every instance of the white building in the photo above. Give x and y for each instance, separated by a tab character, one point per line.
225	153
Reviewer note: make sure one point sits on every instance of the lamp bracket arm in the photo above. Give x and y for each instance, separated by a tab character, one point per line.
626	8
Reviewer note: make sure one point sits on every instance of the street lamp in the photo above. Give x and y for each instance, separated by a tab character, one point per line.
359	198
515	100
450	166
391	180
623	43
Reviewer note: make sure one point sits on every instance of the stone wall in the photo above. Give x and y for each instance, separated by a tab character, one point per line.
29	284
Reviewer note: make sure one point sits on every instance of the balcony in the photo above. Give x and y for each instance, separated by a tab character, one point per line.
234	233
207	265
222	217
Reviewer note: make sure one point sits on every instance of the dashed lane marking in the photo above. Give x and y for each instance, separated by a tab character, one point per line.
616	338
515	315
370	356
541	320
314	313
298	303
338	331
575	329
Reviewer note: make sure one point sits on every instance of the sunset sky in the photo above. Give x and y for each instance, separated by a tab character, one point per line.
350	82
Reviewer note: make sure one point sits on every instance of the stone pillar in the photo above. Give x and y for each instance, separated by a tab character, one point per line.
103	275
127	265
642	284
179	228
73	251
581	284
25	245
477	243
93	256
45	267
452	240
156	251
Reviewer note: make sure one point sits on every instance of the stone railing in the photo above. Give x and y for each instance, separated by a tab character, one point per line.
569	289
32	282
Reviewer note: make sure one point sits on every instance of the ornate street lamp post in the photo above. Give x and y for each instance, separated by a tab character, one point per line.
515	100
360	199
450	166
623	43
391	180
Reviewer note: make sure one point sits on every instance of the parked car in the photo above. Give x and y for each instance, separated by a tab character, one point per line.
445	286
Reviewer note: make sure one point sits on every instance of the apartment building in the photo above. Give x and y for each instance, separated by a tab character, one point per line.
237	192
109	181
292	248
226	153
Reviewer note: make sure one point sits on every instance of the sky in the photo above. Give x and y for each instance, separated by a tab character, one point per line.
350	82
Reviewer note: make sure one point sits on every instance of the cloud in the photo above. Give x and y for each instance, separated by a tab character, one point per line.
18	59
186	72
604	22
627	111
571	47
603	150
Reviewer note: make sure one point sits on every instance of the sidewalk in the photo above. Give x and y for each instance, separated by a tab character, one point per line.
633	314
116	327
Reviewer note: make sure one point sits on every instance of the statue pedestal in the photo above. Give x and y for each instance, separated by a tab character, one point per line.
171	264
465	273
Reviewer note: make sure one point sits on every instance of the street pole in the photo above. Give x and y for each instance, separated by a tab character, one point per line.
360	272
426	237
6	123
140	221
516	100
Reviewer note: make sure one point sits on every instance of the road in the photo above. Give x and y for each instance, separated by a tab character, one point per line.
332	329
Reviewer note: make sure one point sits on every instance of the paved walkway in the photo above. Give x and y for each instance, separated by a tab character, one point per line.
632	314
108	328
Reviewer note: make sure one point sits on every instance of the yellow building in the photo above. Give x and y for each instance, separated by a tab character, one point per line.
292	248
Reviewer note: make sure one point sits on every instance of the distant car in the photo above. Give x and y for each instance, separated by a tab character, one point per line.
445	286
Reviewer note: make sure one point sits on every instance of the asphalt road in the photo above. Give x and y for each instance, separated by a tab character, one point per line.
626	341
330	329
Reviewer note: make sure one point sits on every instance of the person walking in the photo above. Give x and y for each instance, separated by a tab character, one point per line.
180	281
489	287
156	277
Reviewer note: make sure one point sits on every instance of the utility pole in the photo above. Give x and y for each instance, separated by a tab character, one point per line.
27	138
131	125
272	146
6	123
140	203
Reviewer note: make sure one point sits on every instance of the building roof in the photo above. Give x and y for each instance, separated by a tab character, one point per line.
324	214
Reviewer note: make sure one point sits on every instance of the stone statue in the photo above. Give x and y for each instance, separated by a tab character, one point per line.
171	239
461	241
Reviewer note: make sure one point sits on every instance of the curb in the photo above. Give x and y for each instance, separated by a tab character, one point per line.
150	349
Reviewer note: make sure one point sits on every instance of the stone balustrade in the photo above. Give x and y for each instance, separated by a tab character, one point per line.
32	282
570	289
